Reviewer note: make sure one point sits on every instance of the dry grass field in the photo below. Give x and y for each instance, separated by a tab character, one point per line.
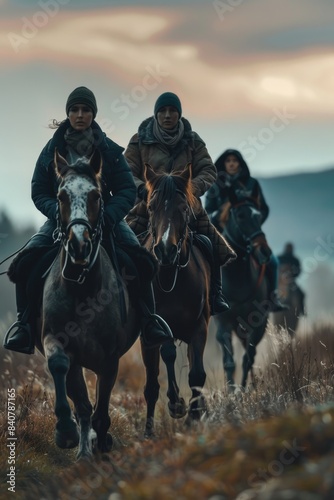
273	441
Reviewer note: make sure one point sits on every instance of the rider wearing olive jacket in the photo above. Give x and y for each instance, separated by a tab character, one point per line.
167	142
76	137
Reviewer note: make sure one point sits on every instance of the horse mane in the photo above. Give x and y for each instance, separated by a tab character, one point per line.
81	167
167	186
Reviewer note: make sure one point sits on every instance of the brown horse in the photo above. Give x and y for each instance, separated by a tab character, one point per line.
181	291
291	295
82	325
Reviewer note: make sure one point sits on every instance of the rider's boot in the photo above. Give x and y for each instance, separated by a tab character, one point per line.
154	329
218	301
272	274
22	339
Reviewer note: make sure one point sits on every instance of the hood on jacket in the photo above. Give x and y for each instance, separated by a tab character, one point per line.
220	162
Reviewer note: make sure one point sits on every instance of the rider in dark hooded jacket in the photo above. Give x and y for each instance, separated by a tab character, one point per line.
234	184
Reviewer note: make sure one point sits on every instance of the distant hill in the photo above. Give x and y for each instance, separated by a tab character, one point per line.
301	211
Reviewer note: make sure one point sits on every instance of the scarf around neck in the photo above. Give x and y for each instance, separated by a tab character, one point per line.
79	143
170	138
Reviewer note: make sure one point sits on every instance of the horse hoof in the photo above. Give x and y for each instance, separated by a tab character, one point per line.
178	409
106	445
67	439
149	433
109	442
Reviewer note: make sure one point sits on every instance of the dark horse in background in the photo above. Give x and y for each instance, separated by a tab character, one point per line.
291	295
181	291
245	285
81	322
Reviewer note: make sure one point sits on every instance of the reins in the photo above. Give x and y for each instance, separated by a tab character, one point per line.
177	264
247	248
187	234
12	255
62	234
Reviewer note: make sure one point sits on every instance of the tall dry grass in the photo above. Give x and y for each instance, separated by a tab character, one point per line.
235	449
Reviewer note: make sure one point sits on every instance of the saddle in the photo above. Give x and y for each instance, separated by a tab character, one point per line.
204	244
135	264
32	263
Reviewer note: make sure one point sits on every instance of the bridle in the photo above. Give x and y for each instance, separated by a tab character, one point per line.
62	232
186	232
249	246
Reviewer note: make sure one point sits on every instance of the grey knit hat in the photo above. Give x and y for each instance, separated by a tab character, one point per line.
168	99
82	95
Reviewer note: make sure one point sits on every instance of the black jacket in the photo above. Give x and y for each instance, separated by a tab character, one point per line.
234	189
118	187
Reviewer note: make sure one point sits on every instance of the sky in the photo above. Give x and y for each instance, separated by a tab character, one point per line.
254	75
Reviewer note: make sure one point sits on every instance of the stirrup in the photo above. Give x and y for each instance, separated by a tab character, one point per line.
224	304
28	349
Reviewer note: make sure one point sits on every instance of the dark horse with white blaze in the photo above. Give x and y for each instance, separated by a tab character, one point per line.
69	337
245	285
181	292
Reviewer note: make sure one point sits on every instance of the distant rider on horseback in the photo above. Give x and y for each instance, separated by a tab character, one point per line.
234	185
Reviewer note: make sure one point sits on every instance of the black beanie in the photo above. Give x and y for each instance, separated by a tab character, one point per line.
168	99
82	95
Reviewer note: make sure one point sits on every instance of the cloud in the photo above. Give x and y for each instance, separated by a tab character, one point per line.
121	44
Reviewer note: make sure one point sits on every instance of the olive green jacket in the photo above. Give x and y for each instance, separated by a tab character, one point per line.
145	148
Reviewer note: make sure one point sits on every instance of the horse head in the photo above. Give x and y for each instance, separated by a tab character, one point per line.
79	207
169	202
243	230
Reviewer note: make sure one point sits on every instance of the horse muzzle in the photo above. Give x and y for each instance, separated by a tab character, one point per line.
79	250
166	255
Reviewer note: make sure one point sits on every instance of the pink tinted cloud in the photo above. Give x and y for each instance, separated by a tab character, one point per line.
124	45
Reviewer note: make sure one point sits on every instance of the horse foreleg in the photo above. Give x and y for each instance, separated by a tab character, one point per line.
176	405
250	353
197	377
247	363
224	337
77	391
100	419
151	359
66	435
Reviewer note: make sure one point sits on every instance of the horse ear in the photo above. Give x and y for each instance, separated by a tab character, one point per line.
95	161
59	162
149	173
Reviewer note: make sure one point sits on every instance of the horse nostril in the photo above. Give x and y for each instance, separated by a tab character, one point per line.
157	252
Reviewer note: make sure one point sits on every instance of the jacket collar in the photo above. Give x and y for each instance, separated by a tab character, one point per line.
102	142
146	136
